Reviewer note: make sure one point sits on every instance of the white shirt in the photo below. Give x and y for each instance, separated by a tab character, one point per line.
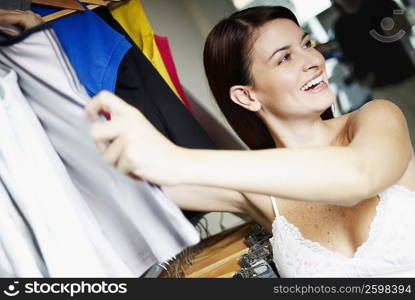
138	221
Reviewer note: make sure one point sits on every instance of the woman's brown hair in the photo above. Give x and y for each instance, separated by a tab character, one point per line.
226	59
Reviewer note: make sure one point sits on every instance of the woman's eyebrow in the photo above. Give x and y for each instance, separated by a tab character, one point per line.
286	47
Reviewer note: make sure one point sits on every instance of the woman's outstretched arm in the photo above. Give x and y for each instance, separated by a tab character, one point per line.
208	199
376	158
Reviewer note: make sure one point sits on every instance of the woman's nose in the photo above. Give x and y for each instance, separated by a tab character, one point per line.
312	60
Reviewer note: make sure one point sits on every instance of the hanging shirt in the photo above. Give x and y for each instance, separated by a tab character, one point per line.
65	231
132	18
139	83
94	49
19	256
141	86
165	52
139	221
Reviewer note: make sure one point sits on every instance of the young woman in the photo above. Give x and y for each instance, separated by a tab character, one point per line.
342	189
343	200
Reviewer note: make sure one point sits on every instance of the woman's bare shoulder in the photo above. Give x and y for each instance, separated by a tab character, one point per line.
375	112
381	111
379	108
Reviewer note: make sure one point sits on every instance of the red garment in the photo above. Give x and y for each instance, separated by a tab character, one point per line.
165	52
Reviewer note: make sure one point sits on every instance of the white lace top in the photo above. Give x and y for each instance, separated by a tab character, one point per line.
388	252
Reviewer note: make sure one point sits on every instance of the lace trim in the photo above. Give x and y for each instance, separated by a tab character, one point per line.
403	188
317	247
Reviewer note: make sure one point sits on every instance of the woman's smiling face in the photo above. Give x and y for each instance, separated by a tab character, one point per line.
289	76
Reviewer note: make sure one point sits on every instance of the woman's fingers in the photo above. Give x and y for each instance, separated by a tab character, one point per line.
135	177
104	133
19	12
108	102
99	103
22	19
114	151
129	142
125	165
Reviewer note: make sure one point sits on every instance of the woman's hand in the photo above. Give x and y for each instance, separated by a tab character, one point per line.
131	144
23	20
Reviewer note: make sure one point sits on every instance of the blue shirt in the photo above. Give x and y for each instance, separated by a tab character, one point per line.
94	49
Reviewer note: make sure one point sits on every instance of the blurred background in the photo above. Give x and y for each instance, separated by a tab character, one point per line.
368	45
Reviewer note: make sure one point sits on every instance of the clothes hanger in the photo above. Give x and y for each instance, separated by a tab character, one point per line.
70	4
98	2
91	4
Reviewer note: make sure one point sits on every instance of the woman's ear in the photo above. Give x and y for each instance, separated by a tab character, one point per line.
242	96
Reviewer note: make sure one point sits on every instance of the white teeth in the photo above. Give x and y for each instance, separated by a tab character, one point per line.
312	82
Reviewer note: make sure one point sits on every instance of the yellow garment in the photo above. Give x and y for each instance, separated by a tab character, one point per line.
133	20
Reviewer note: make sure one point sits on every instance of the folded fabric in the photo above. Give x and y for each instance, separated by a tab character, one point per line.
141	224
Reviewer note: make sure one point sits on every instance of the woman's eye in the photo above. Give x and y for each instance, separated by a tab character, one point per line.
285	58
308	44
